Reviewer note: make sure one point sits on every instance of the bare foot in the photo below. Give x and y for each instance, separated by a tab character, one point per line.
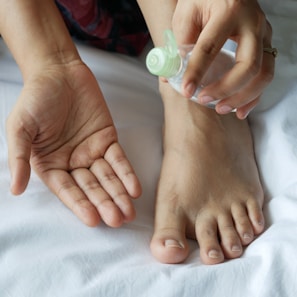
209	187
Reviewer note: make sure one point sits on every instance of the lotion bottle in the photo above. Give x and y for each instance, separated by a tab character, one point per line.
171	63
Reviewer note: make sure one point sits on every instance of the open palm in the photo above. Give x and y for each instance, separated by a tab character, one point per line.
62	127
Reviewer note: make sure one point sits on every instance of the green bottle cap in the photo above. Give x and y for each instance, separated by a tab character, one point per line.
164	61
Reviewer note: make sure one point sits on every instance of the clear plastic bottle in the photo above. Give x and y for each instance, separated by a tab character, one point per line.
171	62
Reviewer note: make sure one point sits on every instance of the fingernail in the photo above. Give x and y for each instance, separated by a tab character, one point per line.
205	99
246	115
214	254
173	243
225	109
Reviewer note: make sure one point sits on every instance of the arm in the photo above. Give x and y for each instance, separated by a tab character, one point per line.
35	34
37	38
158	16
61	125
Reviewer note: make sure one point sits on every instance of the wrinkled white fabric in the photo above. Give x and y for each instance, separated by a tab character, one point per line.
46	251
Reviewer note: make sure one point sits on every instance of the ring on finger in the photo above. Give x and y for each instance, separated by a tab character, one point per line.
271	50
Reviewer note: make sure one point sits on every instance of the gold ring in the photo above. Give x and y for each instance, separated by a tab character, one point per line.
271	50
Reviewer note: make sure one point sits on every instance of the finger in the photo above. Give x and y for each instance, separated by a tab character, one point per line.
92	148
244	111
113	186
246	68
118	161
63	186
108	210
19	141
209	43
186	32
243	100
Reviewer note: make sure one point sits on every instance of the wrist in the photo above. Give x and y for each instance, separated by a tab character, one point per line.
36	34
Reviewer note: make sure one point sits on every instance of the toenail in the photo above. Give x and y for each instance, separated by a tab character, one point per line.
236	248
261	223
247	236
214	254
173	243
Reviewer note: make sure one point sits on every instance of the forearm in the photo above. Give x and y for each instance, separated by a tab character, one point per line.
158	15
35	33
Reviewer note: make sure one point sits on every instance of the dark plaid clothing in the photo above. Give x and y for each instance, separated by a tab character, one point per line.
113	25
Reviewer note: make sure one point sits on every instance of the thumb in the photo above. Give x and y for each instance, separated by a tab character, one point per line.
19	151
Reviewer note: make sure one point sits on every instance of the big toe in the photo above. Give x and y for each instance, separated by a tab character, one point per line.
169	243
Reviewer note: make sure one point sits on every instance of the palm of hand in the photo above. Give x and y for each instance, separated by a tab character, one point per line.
61	122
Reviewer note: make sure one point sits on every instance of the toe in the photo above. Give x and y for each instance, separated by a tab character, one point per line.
243	224
230	240
207	237
169	246
256	216
169	243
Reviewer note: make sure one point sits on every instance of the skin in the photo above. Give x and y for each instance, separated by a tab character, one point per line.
209	188
213	22
61	127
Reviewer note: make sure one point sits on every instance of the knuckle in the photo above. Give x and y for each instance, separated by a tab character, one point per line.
268	28
80	204
266	73
119	160
65	187
235	6
224	92
261	16
252	67
91	186
120	196
107	177
193	74
255	66
103	202
209	47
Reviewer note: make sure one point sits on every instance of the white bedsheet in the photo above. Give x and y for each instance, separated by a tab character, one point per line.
46	251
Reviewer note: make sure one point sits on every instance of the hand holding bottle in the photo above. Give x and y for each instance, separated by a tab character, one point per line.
170	62
213	22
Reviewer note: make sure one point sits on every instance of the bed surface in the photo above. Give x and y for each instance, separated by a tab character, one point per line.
46	251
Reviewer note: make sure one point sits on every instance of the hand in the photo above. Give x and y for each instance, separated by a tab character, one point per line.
208	24
62	127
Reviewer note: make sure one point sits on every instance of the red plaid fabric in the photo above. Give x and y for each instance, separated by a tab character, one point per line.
113	25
